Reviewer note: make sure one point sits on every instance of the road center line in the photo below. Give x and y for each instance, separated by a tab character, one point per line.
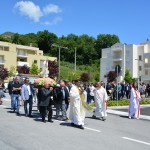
84	127
126	138
92	129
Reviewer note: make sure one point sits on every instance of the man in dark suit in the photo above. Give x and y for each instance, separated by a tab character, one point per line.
45	102
67	90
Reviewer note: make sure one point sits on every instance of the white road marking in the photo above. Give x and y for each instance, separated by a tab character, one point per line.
136	140
92	129
84	127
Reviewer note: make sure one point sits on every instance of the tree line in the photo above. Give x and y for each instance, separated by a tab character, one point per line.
88	48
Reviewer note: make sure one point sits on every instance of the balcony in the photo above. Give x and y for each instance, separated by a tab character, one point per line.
27	48
21	63
145	77
146	55
22	55
117	49
147	66
117	58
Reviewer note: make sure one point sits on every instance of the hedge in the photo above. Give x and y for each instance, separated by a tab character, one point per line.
122	103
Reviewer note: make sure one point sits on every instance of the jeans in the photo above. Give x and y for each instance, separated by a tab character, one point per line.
16	99
12	101
30	101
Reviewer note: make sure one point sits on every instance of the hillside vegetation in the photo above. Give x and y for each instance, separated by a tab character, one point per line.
88	49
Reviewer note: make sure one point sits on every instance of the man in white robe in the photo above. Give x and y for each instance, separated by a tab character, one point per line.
100	96
77	112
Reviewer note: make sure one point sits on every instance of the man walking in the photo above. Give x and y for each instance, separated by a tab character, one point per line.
27	95
45	102
16	95
61	105
10	90
100	96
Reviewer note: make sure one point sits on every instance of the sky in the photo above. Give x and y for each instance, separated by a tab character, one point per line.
129	19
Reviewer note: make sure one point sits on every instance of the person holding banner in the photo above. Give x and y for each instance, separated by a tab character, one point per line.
100	96
134	107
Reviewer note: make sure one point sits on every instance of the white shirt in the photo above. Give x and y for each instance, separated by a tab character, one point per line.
29	90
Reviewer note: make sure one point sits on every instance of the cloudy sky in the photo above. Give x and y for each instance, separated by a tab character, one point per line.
129	19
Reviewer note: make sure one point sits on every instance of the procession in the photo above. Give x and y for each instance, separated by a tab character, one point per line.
68	99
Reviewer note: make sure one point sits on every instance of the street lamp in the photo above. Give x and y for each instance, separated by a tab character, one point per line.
59	48
139	69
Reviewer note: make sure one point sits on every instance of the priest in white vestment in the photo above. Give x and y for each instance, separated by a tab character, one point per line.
100	96
77	111
134	107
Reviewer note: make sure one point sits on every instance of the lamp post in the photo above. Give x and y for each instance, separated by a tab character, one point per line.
139	69
75	54
59	48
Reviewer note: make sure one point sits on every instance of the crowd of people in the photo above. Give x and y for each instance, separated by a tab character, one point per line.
124	90
72	95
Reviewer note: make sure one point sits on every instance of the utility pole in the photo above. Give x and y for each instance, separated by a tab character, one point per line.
59	48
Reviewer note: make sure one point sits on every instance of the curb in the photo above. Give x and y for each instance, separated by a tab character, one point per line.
120	113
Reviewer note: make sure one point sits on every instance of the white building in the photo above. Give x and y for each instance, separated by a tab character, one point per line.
136	58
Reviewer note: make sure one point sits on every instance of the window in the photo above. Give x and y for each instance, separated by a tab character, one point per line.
35	61
140	68
140	57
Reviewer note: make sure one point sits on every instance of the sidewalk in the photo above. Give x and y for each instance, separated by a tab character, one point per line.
112	110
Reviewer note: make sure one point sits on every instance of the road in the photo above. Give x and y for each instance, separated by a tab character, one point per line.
116	133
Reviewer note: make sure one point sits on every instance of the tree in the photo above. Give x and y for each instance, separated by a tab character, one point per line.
111	76
12	71
16	38
23	69
34	69
128	77
5	39
53	69
3	73
45	39
85	77
105	41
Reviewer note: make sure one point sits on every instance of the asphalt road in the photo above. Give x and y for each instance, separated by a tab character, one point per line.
143	111
116	133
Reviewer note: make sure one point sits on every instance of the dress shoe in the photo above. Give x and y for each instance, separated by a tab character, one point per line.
103	119
44	121
51	121
94	117
30	116
18	114
64	119
72	124
81	127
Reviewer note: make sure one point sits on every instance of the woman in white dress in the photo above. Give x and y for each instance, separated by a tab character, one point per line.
134	107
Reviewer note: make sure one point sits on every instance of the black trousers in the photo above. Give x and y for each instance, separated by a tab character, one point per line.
46	110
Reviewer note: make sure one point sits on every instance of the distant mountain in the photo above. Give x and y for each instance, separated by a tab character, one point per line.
7	34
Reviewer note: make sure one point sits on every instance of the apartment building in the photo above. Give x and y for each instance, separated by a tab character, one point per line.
136	58
19	55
